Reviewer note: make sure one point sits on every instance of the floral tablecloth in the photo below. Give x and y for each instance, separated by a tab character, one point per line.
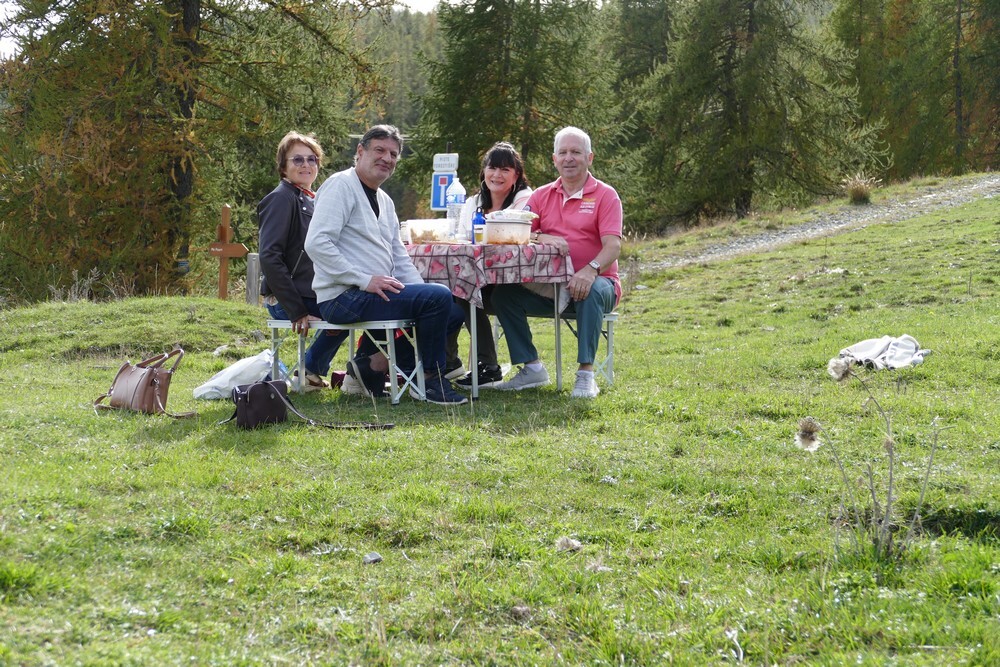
467	268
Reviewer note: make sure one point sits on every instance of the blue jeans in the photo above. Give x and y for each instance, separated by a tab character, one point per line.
325	344
429	305
513	304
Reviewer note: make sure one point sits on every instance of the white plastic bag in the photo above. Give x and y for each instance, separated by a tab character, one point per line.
244	371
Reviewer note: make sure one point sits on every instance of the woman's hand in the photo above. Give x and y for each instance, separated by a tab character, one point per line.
382	284
301	325
561	244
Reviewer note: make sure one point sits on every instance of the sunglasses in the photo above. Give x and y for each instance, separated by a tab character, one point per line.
298	160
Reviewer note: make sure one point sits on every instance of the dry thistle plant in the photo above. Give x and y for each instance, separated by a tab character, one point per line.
859	188
877	525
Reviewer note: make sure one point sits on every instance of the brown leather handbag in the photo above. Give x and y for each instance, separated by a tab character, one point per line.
143	387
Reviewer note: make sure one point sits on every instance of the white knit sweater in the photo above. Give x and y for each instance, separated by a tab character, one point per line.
348	244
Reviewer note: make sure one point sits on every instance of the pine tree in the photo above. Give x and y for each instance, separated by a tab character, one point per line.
983	58
129	123
639	38
753	107
639	35
514	70
929	69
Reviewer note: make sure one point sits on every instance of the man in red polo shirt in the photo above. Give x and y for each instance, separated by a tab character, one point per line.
583	218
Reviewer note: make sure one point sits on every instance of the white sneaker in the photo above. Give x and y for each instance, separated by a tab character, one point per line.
525	379
586	386
352	386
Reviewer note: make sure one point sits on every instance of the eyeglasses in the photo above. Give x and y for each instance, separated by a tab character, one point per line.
299	160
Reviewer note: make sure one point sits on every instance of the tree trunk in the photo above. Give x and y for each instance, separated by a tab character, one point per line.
185	35
528	117
745	171
956	64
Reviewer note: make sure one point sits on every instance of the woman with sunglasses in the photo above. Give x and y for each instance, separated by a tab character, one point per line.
284	216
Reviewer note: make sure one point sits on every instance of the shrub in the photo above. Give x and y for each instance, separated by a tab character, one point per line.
859	188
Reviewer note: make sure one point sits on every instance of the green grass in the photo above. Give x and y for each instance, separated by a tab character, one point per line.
706	535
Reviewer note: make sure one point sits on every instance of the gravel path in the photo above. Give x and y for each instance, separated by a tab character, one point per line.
848	218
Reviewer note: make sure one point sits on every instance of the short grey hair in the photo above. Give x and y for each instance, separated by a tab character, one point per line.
571	131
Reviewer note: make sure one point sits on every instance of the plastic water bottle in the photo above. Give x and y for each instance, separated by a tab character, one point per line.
454	199
282	373
478	226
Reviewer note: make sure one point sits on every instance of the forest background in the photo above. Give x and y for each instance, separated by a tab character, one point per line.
125	125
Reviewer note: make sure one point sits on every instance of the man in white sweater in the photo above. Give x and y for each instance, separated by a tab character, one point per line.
362	271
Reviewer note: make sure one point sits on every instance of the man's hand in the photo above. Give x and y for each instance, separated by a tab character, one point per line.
579	285
561	244
382	284
301	325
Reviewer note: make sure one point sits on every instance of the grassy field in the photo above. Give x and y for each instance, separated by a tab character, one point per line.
700	533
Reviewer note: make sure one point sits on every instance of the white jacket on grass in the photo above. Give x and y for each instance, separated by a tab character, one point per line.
886	352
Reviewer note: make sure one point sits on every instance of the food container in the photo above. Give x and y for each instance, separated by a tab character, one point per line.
431	230
509	227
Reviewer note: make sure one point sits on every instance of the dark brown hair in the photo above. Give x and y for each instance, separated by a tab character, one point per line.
502	154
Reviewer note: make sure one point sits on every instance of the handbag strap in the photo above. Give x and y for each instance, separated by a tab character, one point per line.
312	422
154	361
179	353
365	426
158	360
179	415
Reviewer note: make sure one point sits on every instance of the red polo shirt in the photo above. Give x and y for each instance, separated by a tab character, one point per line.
582	219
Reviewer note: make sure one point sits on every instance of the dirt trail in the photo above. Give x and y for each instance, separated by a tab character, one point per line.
848	218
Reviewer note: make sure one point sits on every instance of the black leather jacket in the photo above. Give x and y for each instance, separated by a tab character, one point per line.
284	216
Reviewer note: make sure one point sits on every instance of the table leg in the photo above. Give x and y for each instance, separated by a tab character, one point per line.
275	346
300	383
474	351
558	326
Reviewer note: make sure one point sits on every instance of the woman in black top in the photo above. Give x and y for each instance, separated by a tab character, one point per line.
284	216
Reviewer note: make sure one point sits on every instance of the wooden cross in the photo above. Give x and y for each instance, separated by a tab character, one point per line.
224	250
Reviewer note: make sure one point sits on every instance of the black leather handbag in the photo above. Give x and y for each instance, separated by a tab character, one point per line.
260	403
266	402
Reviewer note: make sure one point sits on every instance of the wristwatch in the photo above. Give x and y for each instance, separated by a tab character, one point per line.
595	265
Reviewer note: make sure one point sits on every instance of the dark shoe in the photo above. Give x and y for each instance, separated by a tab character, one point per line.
489	375
439	391
337	378
373	381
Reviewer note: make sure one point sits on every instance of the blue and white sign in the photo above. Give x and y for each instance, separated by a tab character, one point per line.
439	185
